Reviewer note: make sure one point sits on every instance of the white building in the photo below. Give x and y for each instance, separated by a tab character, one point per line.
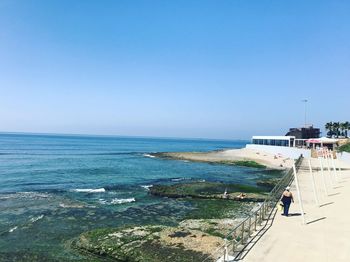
288	141
287	146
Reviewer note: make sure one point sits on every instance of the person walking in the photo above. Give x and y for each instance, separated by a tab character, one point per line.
287	198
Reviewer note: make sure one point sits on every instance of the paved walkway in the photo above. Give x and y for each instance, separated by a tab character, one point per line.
326	234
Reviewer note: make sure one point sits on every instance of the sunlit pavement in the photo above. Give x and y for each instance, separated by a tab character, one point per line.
325	236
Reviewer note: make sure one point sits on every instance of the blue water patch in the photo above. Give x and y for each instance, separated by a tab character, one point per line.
54	187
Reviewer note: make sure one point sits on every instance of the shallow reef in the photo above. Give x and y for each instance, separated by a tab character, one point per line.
210	190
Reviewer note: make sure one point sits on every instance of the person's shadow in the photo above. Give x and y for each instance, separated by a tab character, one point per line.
294	214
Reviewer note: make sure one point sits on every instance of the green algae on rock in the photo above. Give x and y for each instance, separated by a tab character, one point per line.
268	183
217	209
210	190
148	243
248	163
196	237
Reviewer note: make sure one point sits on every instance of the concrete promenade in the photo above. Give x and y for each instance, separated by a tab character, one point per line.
326	234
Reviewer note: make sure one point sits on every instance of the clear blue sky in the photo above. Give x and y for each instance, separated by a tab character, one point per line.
216	69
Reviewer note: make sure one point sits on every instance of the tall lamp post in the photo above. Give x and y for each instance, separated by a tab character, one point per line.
304	101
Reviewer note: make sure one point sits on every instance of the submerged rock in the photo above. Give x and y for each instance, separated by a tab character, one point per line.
149	243
216	157
214	227
194	239
269	183
210	219
210	190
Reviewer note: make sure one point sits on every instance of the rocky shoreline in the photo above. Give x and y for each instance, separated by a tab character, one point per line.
149	243
205	228
193	239
209	190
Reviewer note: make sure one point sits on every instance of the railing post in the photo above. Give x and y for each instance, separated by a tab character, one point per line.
313	184
334	168
323	176
225	251
263	212
233	243
299	194
260	216
255	220
249	226
242	236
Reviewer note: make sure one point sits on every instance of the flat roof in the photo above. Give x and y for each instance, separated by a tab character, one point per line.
274	137
323	140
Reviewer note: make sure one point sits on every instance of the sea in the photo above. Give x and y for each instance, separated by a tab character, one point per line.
54	187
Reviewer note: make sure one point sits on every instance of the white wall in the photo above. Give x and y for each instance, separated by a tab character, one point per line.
291	152
344	156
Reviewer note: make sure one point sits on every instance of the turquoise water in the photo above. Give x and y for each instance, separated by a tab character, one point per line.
54	187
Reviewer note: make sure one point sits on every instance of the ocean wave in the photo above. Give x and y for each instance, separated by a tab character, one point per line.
116	201
4	197
13	229
63	205
31	221
122	200
148	155
90	190
176	179
147	187
34	219
102	201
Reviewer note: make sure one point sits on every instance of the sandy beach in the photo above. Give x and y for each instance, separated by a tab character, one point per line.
233	156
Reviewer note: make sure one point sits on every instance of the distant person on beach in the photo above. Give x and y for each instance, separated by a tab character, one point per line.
225	194
287	198
241	196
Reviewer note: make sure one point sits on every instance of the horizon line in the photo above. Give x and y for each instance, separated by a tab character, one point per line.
120	136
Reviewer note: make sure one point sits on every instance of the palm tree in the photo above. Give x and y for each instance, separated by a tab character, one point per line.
347	127
336	126
329	127
343	127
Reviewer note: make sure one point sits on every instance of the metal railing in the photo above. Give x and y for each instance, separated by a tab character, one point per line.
237	240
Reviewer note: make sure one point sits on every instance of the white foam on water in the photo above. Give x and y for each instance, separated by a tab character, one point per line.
34	219
179	179
102	201
147	187
13	229
63	205
90	190
122	200
4	197
148	155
